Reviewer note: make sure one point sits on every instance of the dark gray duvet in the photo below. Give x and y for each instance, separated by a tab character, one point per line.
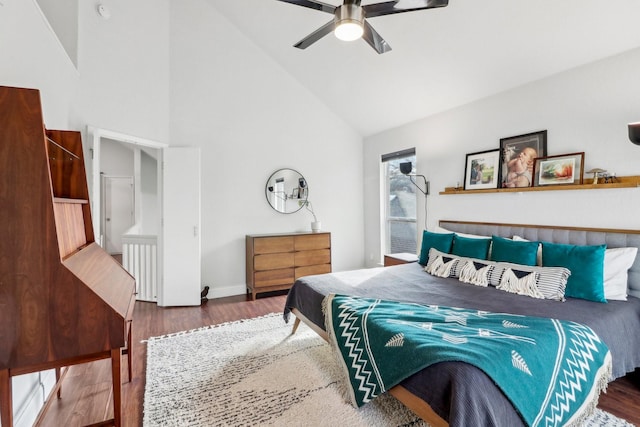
460	393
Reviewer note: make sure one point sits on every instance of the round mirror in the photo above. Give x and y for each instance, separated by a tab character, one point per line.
286	191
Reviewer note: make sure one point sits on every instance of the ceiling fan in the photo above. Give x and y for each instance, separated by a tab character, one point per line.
350	19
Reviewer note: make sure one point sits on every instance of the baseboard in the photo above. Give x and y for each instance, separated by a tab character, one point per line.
27	410
227	291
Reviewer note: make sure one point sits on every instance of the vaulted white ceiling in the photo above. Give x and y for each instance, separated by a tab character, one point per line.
441	58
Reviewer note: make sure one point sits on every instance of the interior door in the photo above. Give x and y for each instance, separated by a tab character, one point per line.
119	213
181	284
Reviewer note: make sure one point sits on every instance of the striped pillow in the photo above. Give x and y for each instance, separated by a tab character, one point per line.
456	268
551	281
520	282
475	273
441	265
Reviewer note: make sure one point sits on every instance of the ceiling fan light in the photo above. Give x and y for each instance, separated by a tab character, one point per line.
349	21
349	30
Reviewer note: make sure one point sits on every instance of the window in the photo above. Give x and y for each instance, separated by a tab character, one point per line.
399	195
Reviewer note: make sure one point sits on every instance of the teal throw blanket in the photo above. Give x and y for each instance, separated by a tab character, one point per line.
551	370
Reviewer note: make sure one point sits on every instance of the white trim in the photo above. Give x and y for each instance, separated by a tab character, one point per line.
227	291
382	195
104	133
26	411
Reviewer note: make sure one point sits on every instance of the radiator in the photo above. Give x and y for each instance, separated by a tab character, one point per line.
140	259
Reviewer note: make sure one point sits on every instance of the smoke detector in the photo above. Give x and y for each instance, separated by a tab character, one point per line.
103	11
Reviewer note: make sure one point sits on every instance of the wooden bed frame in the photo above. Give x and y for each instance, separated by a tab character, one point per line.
408	399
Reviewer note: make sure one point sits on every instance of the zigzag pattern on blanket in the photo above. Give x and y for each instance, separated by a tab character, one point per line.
583	344
359	361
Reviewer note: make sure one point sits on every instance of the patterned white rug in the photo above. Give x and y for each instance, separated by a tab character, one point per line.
253	372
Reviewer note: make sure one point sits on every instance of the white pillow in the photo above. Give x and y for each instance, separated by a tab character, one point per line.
439	229
617	262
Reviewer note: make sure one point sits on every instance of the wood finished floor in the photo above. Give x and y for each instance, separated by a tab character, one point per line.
86	390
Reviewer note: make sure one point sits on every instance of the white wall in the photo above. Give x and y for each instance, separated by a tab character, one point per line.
250	118
33	57
149	215
124	69
62	15
116	159
584	109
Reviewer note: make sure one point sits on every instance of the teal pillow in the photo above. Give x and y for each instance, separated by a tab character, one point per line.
586	264
515	252
440	241
470	248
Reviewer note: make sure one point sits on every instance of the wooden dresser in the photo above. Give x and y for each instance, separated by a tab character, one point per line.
63	300
275	261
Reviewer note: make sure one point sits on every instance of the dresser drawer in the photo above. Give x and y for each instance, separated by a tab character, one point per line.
312	241
282	276
312	269
318	256
272	245
273	261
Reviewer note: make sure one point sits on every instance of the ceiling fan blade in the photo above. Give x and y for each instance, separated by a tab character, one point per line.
374	39
312	4
400	6
315	36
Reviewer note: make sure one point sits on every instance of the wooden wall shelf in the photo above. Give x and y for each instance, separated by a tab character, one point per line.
621	182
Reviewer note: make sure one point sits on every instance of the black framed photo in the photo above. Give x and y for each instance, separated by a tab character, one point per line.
518	155
481	170
563	169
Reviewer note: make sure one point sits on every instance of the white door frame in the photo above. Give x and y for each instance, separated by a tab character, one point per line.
98	134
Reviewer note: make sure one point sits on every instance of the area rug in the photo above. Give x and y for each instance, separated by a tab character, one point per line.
254	372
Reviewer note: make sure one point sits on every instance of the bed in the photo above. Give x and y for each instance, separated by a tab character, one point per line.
456	393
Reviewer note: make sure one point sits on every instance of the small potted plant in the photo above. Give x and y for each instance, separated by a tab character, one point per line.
316	225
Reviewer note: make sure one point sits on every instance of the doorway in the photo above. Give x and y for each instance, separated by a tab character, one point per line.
118	210
127	198
166	184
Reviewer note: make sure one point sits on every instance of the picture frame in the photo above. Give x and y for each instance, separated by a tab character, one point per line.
563	169
482	170
518	155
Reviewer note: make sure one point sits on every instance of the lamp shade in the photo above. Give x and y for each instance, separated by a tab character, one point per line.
349	22
634	133
349	31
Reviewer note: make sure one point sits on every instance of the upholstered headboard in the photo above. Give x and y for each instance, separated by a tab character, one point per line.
569	235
